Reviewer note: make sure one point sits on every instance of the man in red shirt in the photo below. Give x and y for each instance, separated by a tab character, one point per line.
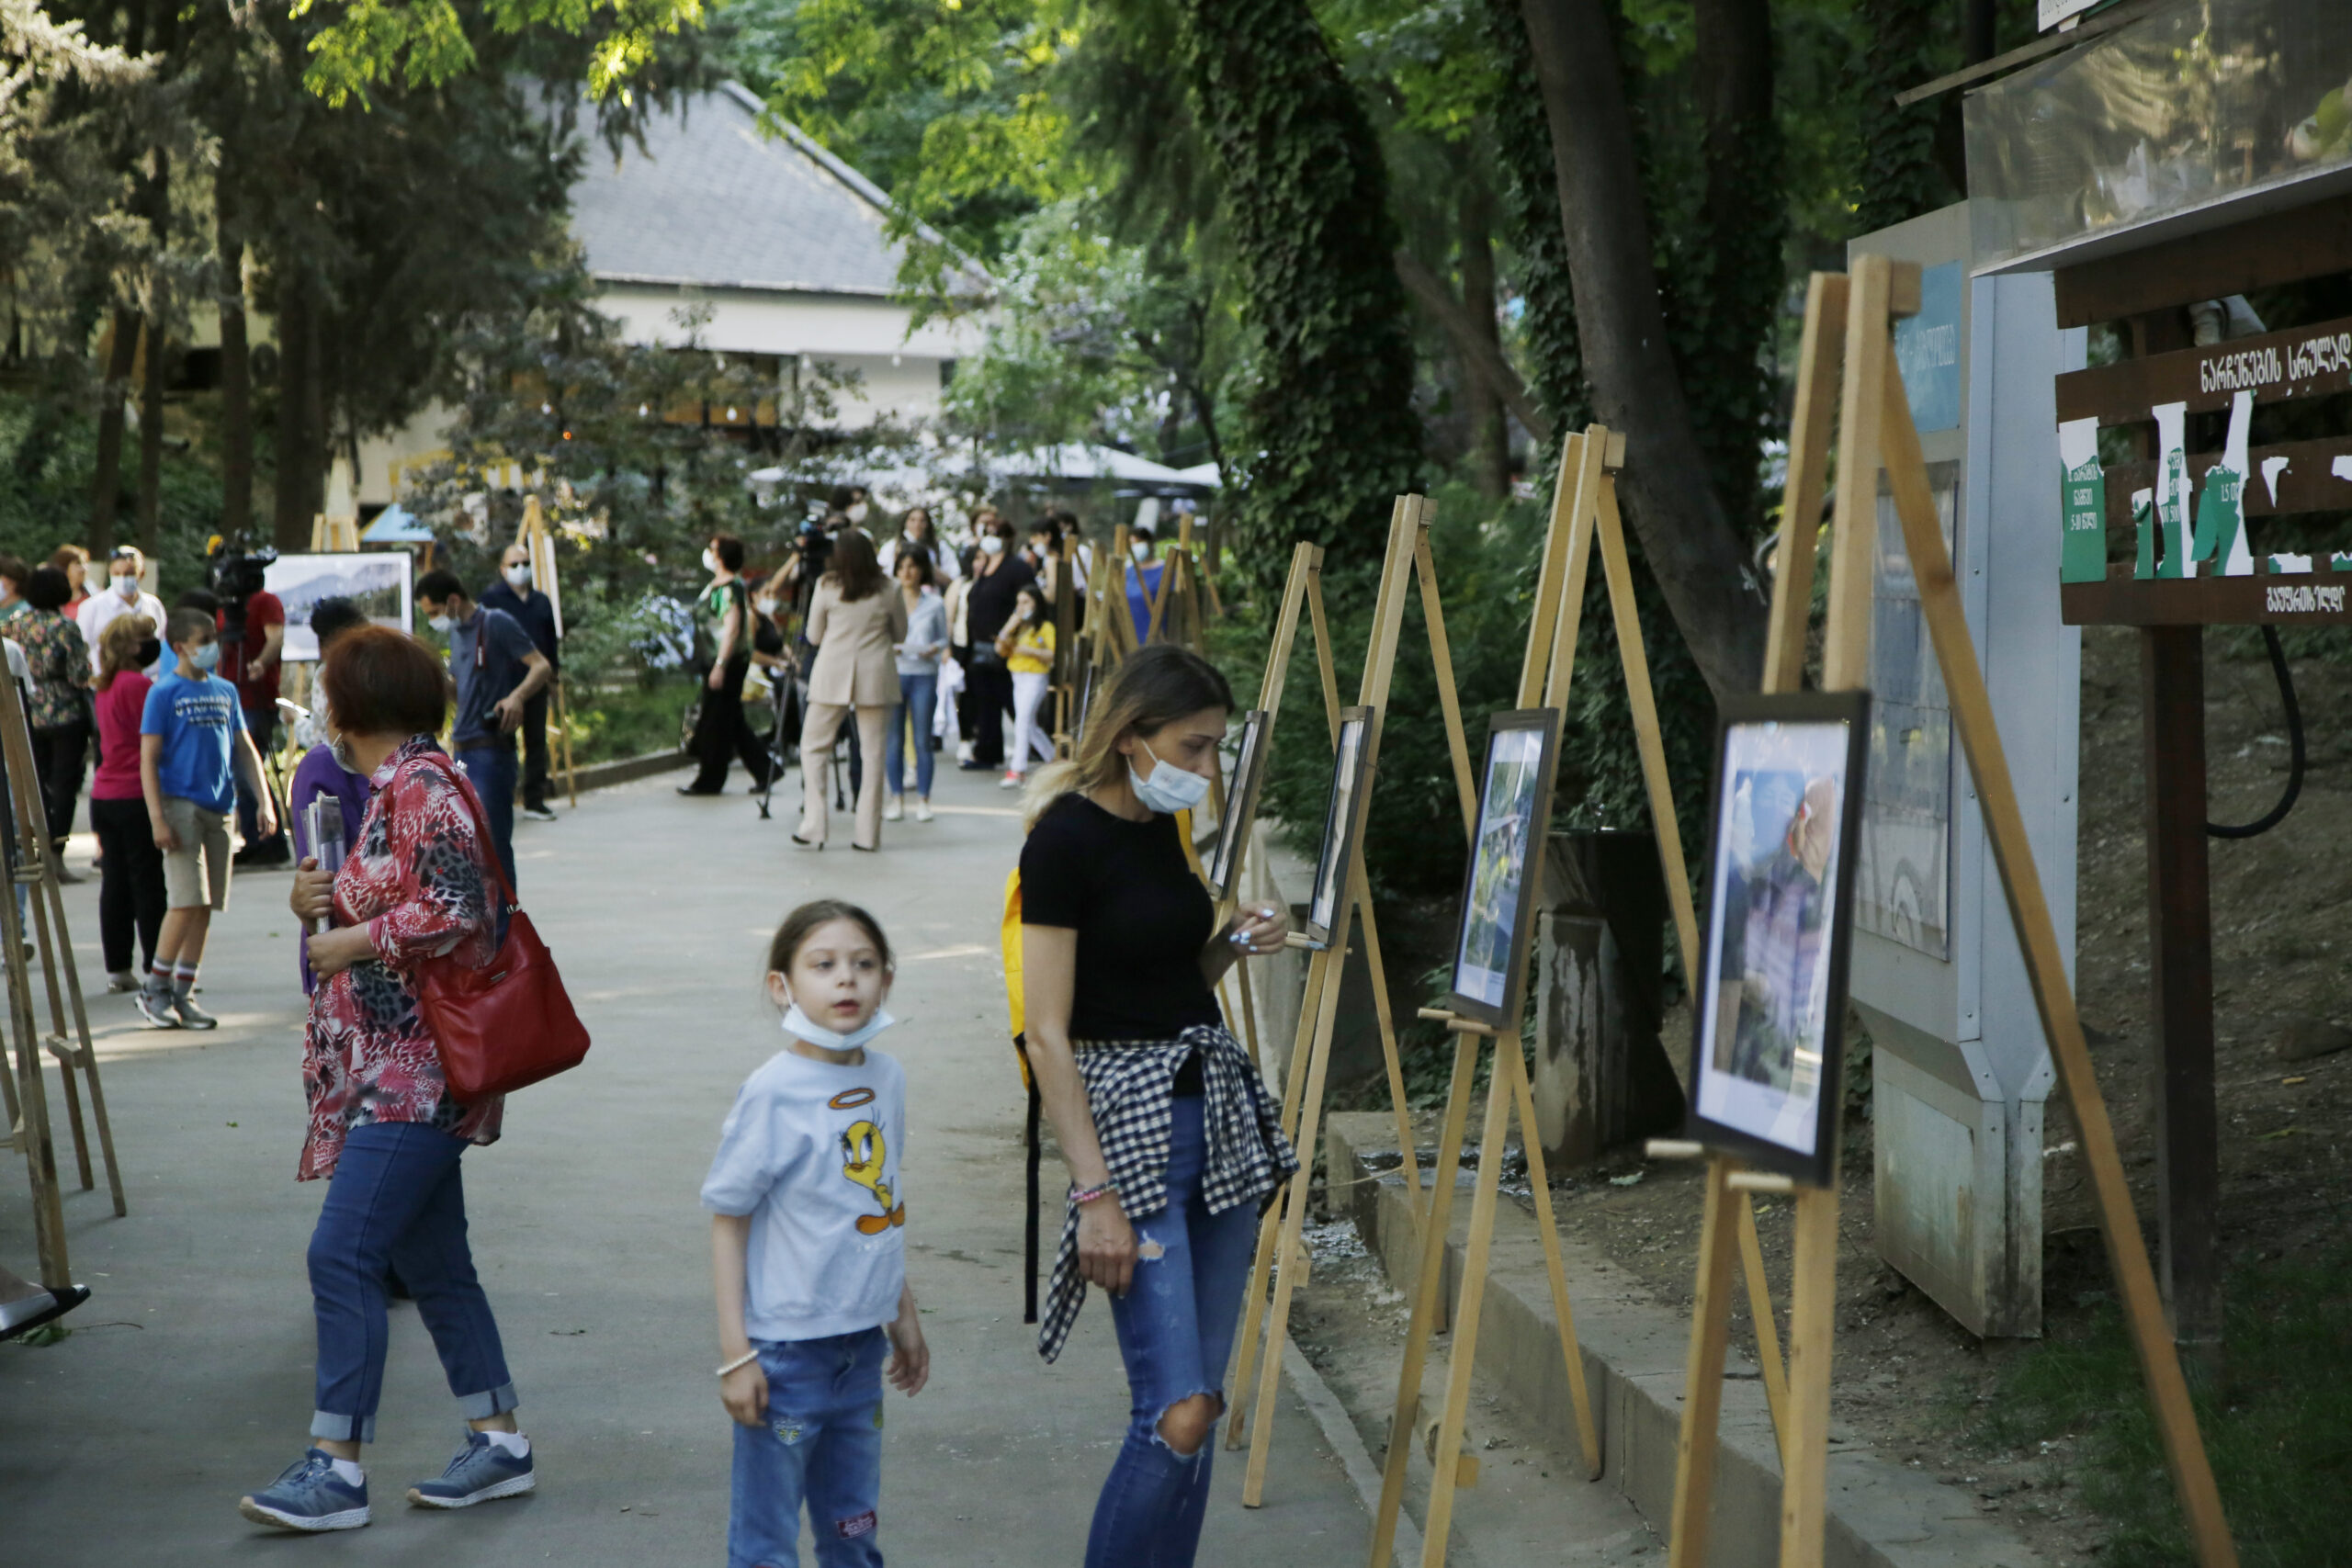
257	676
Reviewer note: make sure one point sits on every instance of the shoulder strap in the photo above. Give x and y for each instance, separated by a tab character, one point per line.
440	762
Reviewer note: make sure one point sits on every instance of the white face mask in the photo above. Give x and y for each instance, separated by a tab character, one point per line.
990	544
442	623
518	575
1140	548
1168	790
711	562
801	1026
764	606
857	513
128	587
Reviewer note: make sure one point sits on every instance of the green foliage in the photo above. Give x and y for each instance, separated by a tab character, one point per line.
625	720
1907	44
630	444
2277	1428
1328	431
47	456
944	103
1531	203
370	45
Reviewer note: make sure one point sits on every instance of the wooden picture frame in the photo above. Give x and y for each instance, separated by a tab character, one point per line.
1348	777
1497	910
382	582
1785	823
1240	801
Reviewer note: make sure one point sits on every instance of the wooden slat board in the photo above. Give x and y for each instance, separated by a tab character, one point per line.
2315	599
2301	362
2257	253
2308	483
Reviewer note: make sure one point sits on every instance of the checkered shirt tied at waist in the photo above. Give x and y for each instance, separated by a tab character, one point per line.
1130	1088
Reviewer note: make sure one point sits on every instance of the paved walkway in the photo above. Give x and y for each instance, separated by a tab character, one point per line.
188	1379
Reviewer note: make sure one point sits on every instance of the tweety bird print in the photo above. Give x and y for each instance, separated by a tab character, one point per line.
863	1155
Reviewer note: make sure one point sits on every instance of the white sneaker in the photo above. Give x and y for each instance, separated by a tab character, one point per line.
922	809
1010	781
963	753
894	809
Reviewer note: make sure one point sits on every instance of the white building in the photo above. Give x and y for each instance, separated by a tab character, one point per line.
780	243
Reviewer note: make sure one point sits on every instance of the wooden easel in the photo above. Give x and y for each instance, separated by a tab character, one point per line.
539	546
1407	555
1851	318
333	535
1584	506
26	1098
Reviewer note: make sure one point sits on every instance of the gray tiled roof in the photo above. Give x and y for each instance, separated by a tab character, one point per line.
709	200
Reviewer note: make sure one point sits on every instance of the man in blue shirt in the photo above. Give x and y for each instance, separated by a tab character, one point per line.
497	671
514	595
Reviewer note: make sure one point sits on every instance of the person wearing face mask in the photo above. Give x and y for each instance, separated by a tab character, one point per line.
726	627
497	671
192	744
131	887
122	597
327	770
998	577
1120	957
514	595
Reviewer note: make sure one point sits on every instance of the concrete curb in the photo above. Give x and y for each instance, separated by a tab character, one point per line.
626	770
1882	1514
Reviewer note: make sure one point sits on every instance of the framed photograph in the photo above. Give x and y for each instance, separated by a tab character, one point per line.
1771	1003
1240	803
381	581
1498	912
1339	824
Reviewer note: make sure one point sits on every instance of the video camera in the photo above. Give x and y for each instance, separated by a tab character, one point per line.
234	576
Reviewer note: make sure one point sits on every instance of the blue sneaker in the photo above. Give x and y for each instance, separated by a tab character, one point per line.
482	1471
309	1496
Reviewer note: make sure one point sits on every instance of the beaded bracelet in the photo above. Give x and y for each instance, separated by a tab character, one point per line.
745	1359
1081	1197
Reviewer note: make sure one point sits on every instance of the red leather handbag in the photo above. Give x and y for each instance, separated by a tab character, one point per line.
508	1023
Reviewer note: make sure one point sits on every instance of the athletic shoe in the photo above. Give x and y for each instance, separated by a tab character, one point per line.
895	809
155	1006
922	810
310	1497
963	753
268	854
539	813
1010	781
482	1471
121	982
192	1016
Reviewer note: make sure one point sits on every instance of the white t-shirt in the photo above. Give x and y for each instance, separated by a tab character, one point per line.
811	1152
102	608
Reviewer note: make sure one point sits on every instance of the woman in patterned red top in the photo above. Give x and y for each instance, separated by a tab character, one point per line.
419	886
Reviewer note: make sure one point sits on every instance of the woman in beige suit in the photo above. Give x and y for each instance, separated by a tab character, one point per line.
855	623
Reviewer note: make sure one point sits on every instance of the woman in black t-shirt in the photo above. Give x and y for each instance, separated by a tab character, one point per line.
1174	1141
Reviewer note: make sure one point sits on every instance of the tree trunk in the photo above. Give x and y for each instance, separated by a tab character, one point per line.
1743	225
1489	434
151	422
105	482
1693	550
301	429
236	385
1481	355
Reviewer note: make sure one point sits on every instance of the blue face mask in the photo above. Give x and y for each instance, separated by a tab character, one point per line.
1168	790
801	1026
207	659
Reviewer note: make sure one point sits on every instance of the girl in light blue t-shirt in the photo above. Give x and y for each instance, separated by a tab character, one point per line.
809	1242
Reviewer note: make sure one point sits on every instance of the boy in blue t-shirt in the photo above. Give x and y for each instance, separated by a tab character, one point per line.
192	744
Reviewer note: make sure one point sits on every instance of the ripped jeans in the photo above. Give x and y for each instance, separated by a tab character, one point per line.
820	1439
1176	1326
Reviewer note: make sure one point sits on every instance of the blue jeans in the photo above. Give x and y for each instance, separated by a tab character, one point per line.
490	765
1176	1326
397	1200
917	694
820	1440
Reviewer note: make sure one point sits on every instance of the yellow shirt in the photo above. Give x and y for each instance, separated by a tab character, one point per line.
1034	653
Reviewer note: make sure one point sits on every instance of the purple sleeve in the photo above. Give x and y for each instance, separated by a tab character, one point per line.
319	773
